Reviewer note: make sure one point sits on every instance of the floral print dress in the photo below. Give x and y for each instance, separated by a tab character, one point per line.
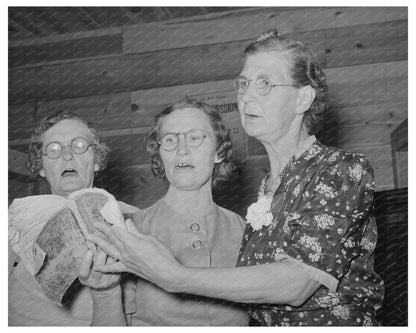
322	216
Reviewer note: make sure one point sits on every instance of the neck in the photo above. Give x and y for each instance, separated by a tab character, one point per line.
195	202
280	151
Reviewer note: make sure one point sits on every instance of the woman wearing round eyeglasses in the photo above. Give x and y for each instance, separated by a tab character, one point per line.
190	146
307	252
67	152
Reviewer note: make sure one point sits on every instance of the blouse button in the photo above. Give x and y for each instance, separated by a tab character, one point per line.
197	244
195	227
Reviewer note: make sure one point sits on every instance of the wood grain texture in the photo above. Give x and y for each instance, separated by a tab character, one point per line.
17	162
190	65
227	27
119	84
67	49
369	43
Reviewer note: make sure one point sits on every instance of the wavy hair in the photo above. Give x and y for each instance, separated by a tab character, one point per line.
305	71
223	170
34	164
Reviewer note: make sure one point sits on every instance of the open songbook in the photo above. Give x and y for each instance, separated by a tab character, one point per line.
49	232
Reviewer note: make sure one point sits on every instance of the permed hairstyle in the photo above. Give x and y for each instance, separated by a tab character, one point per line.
223	170
305	71
34	163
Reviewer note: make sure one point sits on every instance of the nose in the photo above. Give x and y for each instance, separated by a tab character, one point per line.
182	148
67	153
248	95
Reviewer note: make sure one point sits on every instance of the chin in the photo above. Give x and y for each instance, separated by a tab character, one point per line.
68	188
251	129
253	132
187	186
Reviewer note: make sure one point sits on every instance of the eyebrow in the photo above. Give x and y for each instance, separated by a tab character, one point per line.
261	76
194	128
61	142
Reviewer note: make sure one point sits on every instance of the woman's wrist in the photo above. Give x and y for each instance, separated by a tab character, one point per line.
106	292
177	279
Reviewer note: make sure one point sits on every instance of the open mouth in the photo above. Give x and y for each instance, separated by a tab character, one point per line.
69	173
184	166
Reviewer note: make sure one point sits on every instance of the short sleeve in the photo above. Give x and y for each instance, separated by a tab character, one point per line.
326	231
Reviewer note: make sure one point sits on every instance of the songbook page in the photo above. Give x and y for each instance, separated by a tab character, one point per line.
49	234
27	217
60	247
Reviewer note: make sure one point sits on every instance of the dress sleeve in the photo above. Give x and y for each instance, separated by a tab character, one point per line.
326	230
128	283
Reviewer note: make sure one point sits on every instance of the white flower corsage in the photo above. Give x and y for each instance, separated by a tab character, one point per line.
258	214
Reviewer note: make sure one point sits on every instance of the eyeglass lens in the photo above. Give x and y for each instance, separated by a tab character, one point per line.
193	138
78	145
262	85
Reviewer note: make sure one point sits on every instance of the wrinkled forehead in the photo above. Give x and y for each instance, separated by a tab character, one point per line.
66	130
267	63
183	120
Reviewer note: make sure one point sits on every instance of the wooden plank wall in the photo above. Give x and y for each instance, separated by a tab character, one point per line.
119	78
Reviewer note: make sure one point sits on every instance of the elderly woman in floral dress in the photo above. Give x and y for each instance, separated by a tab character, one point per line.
308	248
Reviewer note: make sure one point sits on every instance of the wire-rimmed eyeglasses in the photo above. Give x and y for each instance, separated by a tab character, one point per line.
78	145
193	138
263	86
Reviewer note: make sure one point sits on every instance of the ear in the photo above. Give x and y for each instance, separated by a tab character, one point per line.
42	173
217	159
96	167
305	98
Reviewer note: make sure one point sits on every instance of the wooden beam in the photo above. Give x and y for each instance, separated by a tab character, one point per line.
399	137
132	72
68	49
21	33
14	43
370	43
182	66
368	113
210	29
216	28
368	84
227	26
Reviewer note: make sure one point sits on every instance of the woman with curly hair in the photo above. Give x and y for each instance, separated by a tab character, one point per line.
67	152
190	146
308	249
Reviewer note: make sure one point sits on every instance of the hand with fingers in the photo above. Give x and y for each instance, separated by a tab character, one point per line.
105	290
137	253
98	281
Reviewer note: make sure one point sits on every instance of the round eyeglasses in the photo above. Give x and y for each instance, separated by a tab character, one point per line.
79	145
193	138
263	86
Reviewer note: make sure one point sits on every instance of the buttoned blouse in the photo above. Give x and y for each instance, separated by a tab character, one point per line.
212	240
